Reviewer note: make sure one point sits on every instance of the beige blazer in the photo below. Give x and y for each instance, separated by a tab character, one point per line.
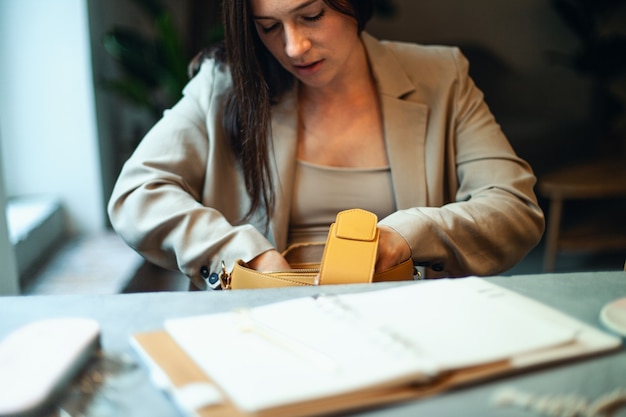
465	200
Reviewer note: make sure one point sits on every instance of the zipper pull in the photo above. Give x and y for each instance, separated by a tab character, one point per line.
224	277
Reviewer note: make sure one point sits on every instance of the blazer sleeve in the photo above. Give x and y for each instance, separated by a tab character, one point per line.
177	199
492	219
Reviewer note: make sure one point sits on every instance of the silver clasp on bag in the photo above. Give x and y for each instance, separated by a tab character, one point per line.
224	277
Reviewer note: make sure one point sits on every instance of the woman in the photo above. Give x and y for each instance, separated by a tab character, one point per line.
304	114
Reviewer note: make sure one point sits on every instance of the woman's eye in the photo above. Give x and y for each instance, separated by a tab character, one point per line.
316	17
269	28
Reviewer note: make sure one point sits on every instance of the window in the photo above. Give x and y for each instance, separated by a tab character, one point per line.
48	128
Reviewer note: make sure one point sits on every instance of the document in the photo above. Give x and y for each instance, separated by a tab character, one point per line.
312	348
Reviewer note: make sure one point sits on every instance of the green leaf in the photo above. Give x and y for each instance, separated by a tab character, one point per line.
137	55
172	55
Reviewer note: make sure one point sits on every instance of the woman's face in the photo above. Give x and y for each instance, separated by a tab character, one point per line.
312	41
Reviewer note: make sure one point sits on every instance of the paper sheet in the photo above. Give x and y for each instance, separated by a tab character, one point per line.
314	347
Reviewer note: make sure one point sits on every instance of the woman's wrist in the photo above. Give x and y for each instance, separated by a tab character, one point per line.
269	261
393	249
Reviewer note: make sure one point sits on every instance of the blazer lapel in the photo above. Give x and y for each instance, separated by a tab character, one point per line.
284	139
405	125
405	130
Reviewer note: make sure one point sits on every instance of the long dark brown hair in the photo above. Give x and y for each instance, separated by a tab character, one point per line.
258	82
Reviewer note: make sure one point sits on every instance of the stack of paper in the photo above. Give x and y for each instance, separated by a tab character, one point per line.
309	349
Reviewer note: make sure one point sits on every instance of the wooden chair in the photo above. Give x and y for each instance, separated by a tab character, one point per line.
596	180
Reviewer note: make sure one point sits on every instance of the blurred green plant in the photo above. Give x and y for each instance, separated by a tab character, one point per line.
154	65
600	27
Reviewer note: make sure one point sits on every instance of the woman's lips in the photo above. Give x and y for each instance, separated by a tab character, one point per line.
308	69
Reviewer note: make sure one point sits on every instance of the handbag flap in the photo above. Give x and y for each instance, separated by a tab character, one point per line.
350	254
356	224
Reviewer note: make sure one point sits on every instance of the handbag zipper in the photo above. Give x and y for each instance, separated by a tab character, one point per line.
225	278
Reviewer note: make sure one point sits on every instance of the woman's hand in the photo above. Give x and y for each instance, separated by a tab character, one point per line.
270	261
392	249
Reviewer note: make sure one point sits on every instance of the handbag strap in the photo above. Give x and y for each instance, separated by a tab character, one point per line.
350	251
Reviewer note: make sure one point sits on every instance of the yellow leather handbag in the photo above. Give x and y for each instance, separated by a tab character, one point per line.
348	257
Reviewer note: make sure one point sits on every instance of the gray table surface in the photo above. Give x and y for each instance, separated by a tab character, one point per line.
117	384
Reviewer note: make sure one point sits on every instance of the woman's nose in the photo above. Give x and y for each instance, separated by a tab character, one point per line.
296	43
